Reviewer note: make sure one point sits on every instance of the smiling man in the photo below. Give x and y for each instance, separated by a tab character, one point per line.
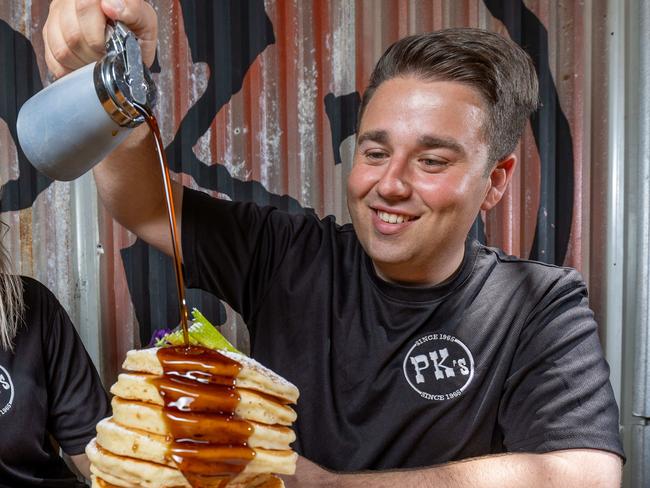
413	346
419	177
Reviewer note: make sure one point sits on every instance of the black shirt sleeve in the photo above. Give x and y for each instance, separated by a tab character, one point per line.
75	395
558	395
233	249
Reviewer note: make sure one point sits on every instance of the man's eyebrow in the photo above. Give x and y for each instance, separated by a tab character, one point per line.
433	142
380	136
426	141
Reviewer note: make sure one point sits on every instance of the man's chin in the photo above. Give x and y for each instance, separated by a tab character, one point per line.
387	266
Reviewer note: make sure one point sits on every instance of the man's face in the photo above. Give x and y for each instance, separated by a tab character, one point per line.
418	179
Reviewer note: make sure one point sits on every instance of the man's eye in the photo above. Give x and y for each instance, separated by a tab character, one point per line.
376	155
432	162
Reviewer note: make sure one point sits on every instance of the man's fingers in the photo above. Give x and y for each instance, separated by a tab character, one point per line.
140	17
74	33
55	70
90	23
58	56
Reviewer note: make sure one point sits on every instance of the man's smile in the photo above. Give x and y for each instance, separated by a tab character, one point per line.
393	218
391	222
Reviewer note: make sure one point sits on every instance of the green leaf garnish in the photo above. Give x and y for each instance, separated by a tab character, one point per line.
201	333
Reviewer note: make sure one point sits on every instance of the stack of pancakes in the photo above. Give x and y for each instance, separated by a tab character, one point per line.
137	448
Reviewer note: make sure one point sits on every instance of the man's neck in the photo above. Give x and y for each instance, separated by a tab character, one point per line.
422	275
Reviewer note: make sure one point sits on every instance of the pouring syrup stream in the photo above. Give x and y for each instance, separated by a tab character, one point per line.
171	213
210	443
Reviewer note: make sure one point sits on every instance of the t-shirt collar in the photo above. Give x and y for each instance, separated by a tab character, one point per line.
426	293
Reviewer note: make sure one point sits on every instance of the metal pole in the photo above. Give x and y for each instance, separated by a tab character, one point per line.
86	314
613	336
636	400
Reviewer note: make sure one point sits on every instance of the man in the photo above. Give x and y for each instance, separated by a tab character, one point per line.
413	346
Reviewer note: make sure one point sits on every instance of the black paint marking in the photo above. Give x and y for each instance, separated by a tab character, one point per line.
19	80
552	135
342	112
152	285
227	36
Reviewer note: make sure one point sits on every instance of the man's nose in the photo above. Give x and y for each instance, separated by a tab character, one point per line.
395	182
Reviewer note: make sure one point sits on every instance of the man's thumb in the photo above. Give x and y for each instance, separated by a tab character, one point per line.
113	8
138	16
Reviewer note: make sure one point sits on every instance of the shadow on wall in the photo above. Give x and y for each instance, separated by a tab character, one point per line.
19	80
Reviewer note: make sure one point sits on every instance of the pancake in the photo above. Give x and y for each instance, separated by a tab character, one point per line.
151	419
109	470
127	471
192	416
253	375
252	406
259	481
145	446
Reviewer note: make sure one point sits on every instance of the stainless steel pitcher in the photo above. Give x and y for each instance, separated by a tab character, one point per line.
74	123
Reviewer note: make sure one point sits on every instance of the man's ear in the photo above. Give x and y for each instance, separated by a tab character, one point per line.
499	178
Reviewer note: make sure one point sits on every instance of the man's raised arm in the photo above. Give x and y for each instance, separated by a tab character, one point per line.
129	180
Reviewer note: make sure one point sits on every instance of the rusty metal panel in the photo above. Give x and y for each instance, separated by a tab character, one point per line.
258	101
37	211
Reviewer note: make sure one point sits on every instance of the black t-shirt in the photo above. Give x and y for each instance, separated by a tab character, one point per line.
48	387
502	357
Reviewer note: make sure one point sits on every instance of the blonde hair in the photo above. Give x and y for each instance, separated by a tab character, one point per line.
11	301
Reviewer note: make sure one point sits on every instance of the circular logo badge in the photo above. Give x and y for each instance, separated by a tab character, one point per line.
6	391
439	367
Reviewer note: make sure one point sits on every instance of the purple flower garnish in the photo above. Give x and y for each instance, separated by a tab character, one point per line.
158	336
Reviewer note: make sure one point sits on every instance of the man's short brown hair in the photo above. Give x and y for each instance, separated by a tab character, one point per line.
499	69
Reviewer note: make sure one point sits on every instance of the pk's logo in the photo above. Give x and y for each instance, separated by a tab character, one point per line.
439	367
6	391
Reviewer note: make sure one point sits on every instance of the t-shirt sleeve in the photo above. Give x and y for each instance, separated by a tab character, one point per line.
233	249
76	398
558	394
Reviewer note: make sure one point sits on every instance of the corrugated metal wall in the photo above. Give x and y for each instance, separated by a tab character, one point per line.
258	101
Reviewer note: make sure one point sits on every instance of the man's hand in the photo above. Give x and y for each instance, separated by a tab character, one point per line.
574	468
82	463
74	32
129	179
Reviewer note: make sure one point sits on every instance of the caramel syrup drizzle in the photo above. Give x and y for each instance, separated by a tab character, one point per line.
210	442
171	214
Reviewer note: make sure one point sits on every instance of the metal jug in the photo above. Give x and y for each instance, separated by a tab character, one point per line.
74	123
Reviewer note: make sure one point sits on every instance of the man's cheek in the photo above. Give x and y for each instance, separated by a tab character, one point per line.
362	179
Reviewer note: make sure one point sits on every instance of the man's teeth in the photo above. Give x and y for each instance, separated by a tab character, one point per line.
392	218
